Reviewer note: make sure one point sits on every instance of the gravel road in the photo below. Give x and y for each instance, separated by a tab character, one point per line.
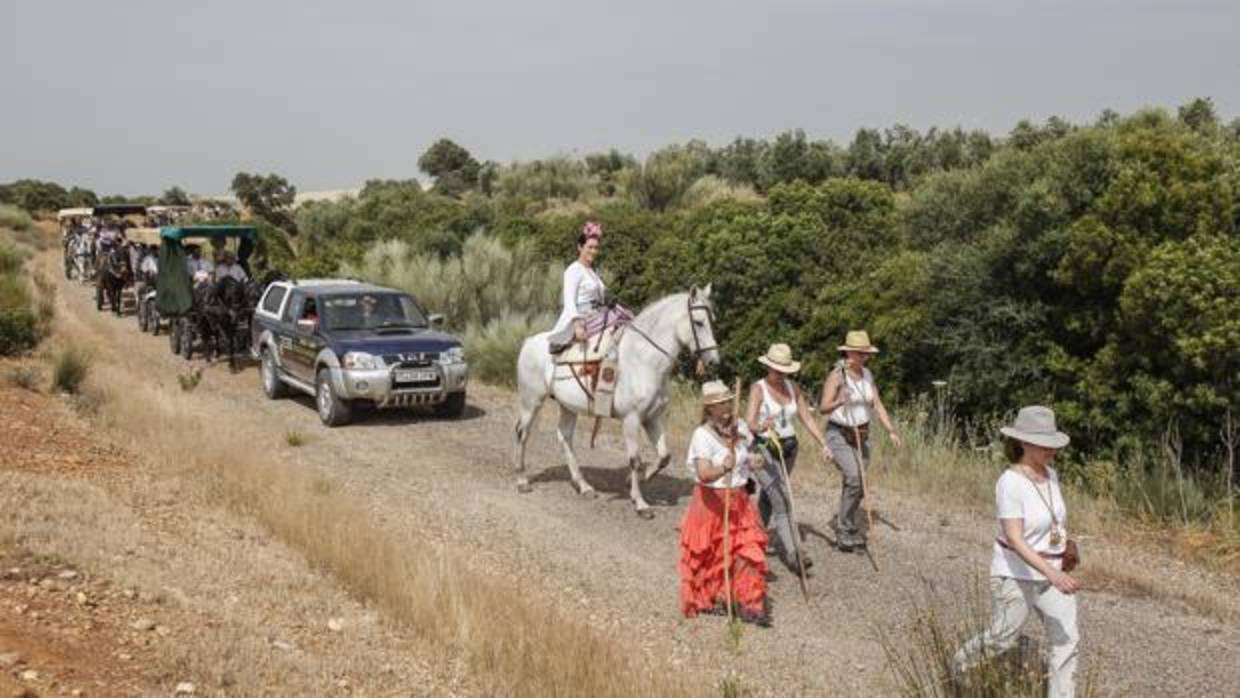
595	555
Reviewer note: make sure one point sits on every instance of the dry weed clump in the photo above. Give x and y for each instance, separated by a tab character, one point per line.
514	643
70	370
25	377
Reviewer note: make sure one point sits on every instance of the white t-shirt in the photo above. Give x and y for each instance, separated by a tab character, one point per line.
1017	497
707	444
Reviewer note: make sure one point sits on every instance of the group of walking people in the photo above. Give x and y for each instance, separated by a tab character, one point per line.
724	541
725	538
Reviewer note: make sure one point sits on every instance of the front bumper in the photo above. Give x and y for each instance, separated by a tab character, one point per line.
378	385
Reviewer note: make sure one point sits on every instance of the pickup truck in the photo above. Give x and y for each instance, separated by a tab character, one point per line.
349	343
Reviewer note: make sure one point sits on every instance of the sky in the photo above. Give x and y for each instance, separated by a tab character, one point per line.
135	96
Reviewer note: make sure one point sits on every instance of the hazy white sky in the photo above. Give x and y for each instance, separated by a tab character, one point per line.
133	96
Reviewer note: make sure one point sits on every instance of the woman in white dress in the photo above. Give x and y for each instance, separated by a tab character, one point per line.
583	312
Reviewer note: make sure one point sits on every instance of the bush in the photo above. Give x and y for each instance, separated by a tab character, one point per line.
487	281
70	370
11	260
492	349
17	331
15	218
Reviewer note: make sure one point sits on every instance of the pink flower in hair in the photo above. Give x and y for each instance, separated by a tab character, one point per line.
592	231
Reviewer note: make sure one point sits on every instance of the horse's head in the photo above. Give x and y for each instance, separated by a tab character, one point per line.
697	330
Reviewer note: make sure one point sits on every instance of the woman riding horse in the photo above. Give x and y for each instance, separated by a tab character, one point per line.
583	296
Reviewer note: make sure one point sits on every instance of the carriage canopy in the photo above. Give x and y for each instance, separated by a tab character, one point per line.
74	213
118	210
174	289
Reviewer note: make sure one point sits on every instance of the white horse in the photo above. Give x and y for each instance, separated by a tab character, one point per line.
648	351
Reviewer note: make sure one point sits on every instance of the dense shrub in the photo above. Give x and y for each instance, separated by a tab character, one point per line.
14	218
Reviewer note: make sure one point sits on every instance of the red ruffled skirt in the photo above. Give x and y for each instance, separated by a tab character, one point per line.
701	552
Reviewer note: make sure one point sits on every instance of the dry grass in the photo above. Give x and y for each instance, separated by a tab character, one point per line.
513	644
921	654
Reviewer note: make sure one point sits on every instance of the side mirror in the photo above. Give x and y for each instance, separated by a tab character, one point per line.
435	319
306	324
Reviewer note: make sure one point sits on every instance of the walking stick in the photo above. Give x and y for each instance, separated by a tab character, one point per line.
727	506
865	495
796	534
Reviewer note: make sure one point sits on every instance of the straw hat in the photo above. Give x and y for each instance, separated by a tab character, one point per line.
715	392
779	357
858	340
1036	425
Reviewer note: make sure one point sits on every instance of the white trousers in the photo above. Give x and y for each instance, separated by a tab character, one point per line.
1013	599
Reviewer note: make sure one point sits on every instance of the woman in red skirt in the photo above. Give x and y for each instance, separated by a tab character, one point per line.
719	459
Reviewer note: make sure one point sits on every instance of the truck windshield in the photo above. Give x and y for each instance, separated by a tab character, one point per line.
370	311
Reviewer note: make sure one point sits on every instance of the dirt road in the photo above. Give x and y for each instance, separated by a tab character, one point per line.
454	478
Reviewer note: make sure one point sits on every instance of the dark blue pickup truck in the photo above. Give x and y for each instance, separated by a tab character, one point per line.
346	342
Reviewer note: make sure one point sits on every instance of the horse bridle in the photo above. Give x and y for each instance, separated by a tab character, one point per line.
698	349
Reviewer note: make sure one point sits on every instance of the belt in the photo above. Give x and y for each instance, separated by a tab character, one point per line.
837	425
1049	556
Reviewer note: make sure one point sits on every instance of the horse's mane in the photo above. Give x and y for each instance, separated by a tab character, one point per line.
659	306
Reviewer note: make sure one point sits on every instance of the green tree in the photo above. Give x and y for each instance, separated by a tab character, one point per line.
267	196
175	196
453	169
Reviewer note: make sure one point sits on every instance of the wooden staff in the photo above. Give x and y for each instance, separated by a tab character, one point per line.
792	521
727	502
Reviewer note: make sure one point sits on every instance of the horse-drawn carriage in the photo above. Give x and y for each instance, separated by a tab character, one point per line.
114	260
208	314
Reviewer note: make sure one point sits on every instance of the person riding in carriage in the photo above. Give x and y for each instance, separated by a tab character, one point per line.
228	267
585	311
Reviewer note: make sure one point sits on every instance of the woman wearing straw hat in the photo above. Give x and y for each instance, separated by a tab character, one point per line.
719	459
849	398
774	405
1031	554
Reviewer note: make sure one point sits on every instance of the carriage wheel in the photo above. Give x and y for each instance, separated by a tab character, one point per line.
152	321
174	335
187	340
140	314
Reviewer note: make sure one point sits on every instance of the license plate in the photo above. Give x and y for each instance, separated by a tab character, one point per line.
407	376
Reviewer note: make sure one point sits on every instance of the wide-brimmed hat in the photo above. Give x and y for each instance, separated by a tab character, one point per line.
858	340
779	357
715	392
1036	425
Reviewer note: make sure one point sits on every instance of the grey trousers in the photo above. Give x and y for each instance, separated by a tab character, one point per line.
773	503
846	529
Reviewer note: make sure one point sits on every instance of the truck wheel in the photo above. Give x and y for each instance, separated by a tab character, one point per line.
453	407
333	411
273	387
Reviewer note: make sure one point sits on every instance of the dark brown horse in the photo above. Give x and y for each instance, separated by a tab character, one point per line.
113	276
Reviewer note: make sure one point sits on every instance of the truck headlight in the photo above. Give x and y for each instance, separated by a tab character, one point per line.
360	360
454	355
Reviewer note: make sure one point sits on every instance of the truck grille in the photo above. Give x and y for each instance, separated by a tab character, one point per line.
412	400
412	359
